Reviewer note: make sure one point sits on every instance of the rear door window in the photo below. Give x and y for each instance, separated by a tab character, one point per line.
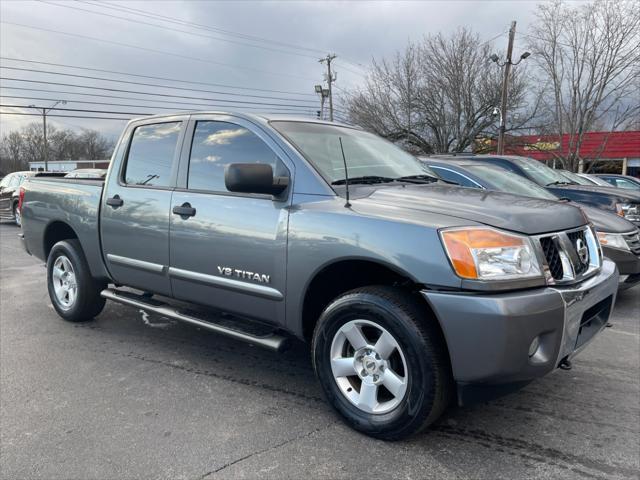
151	154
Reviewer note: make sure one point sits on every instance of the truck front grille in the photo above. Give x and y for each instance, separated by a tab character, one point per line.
579	267
570	256
633	241
552	255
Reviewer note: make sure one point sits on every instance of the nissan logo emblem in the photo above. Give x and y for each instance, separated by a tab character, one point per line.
583	251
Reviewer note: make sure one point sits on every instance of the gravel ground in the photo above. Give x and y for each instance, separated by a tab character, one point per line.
133	396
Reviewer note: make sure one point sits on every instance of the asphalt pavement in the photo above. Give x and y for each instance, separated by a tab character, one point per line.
133	396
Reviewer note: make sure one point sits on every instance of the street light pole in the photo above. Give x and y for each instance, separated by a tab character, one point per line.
45	153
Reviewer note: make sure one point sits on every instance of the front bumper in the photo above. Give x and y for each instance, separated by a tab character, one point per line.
489	335
628	265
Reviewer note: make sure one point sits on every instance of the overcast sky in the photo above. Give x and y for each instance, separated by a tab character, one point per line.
219	50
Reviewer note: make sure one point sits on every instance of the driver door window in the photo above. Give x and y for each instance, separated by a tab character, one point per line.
218	144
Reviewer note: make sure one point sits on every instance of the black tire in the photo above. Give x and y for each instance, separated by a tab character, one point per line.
88	302
430	387
17	217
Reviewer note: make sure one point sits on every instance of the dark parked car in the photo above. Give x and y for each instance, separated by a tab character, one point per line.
621	181
618	237
9	191
625	203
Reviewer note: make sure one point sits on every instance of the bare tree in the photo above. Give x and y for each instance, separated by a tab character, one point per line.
389	103
18	148
11	153
588	59
94	146
436	96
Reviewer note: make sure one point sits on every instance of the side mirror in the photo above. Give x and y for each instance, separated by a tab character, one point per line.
253	178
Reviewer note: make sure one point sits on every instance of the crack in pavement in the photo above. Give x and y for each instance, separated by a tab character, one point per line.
268	449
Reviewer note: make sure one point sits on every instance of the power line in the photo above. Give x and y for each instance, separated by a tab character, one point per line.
161	52
76	110
147	14
82	110
155	107
164	27
89	77
173	102
164	18
222	100
191	82
63	116
66	92
168	20
493	38
240	104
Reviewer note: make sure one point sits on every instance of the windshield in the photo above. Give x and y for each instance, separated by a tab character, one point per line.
575	178
367	155
508	182
541	174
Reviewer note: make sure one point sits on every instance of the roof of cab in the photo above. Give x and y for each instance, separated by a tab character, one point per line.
259	117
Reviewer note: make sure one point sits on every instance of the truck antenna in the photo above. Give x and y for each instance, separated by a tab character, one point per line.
346	174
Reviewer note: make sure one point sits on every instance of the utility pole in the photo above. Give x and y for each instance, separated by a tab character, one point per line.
45	148
330	77
505	85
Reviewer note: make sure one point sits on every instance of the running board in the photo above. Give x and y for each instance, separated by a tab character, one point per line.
269	340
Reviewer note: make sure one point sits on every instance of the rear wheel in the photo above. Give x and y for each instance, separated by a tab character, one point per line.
381	362
17	215
74	293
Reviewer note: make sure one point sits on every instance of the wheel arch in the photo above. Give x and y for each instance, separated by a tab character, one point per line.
55	232
341	275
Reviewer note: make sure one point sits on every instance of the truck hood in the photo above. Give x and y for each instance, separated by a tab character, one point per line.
501	210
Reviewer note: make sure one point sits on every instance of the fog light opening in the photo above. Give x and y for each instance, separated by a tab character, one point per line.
533	348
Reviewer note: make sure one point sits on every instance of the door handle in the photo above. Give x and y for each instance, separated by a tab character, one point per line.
115	201
184	210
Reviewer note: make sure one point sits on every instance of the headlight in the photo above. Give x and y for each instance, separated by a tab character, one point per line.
614	240
486	254
629	211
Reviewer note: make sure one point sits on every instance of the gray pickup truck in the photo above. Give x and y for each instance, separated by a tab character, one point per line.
412	292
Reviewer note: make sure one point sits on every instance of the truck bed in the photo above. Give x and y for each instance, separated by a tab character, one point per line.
51	202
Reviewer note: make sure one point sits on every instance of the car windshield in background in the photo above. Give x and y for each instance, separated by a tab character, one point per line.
369	158
541	174
575	178
510	182
598	181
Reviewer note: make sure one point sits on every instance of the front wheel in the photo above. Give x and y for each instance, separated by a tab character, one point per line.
74	293
382	362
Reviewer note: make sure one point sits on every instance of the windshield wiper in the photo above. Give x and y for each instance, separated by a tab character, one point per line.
558	182
366	179
424	178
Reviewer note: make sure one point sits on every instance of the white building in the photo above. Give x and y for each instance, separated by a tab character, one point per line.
67	165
